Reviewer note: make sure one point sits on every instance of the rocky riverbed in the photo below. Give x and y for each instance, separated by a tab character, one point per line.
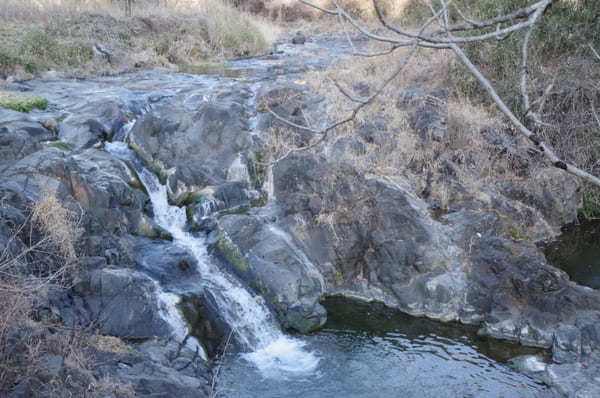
314	224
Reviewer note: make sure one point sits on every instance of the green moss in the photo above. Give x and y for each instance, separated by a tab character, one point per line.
258	286
261	201
22	102
243	210
60	145
591	204
516	234
231	252
339	277
149	229
220	69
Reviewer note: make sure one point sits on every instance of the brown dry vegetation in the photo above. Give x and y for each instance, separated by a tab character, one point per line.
40	256
563	84
41	35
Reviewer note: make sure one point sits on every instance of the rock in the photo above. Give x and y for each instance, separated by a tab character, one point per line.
276	268
27	388
206	225
49	367
19	136
590	334
158	368
126	305
575	379
93	121
50	124
428	111
299	38
216	134
567	344
148	228
165	262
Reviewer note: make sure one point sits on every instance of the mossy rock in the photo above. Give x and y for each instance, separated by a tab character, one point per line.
230	252
149	229
22	102
63	146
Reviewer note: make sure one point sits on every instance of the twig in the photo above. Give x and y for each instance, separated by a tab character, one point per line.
215	378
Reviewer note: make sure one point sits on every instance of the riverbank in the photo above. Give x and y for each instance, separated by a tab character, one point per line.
76	39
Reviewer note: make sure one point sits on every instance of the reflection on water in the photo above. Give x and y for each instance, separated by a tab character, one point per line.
370	352
577	251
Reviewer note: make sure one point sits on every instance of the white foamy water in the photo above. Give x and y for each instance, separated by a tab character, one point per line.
171	315
274	353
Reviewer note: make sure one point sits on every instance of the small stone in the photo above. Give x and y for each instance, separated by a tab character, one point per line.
299	38
50	124
49	75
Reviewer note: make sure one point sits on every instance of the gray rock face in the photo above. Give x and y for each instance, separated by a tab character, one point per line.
19	136
214	135
567	344
156	368
288	280
125	304
93	122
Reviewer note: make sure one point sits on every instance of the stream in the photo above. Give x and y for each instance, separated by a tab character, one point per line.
362	350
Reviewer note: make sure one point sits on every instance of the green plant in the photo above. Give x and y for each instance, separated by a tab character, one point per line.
590	208
22	102
516	234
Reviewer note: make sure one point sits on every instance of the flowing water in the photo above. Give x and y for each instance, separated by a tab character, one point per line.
359	353
252	324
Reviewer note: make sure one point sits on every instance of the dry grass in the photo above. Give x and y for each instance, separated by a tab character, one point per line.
58	224
40	35
109	344
38	256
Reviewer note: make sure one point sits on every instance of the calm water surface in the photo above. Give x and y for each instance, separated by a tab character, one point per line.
367	352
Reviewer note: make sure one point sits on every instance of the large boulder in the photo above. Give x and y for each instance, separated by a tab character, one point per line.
93	121
125	303
208	147
276	268
98	187
19	136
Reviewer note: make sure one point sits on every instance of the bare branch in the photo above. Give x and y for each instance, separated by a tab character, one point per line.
594	51
593	106
517	123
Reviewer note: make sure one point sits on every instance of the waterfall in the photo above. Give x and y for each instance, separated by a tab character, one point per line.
252	323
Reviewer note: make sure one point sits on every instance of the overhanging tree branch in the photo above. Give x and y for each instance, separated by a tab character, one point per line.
471	31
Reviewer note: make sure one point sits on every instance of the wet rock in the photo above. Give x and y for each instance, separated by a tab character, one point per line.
590	334
277	269
299	38
206	225
567	344
125	303
165	262
19	136
215	134
205	323
92	122
49	366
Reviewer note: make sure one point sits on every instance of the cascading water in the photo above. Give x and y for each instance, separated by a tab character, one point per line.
252	323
